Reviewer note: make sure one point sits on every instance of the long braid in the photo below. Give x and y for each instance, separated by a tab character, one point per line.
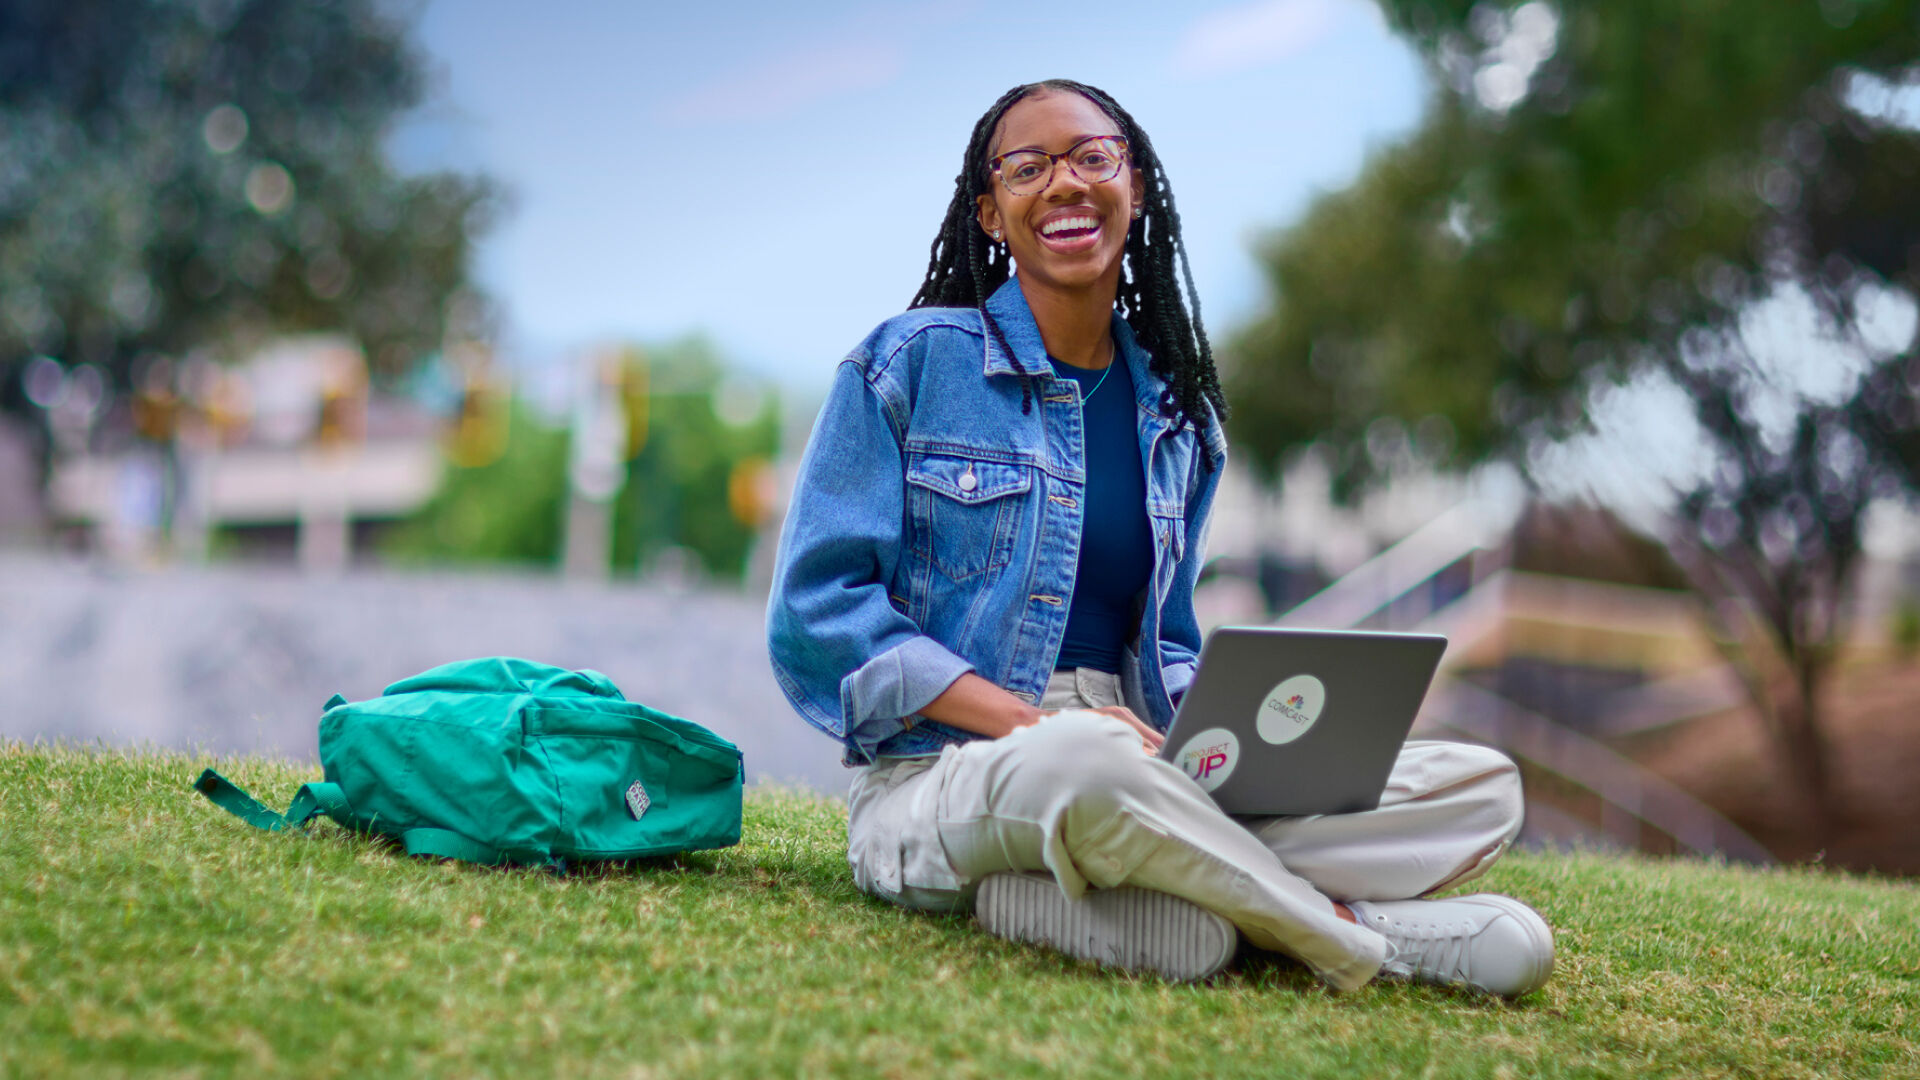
964	246
962	270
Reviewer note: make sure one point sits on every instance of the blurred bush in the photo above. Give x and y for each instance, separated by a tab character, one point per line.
508	510
1905	629
699	439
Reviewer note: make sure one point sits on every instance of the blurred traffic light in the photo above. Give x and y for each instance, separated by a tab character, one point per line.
156	408
750	491
634	391
482	425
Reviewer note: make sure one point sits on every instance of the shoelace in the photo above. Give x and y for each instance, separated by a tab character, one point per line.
1427	948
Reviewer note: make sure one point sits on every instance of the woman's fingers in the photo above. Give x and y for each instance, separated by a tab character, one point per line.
1150	740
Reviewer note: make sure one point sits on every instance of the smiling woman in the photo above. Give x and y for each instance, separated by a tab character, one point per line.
970	257
984	591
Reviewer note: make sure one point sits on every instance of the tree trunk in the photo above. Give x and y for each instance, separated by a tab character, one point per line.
1801	747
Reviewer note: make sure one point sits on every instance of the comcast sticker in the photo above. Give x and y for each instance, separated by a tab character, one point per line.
1290	709
1209	757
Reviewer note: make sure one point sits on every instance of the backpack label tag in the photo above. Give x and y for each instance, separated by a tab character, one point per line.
637	800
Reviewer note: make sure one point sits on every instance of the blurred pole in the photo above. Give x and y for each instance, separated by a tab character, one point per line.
589	523
70	401
325	543
196	455
596	470
324	540
192	516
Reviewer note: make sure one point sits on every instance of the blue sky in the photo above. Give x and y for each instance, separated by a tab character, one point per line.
771	175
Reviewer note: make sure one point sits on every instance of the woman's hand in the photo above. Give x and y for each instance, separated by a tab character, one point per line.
974	704
1150	740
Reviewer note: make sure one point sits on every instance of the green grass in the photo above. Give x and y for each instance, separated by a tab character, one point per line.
145	932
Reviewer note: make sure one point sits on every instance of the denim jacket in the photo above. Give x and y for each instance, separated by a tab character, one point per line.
935	530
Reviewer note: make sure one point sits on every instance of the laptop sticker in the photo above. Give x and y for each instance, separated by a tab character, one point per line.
1290	709
1209	757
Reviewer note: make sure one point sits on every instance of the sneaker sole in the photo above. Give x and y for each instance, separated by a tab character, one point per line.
1128	928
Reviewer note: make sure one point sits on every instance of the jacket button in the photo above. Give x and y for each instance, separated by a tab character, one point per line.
967	482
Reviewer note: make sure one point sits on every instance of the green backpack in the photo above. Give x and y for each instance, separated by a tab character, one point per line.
501	761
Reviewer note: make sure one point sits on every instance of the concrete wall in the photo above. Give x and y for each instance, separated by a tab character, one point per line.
240	659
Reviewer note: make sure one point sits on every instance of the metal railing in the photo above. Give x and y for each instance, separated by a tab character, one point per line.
1447	577
1628	793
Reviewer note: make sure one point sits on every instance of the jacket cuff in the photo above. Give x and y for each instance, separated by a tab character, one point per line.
1177	678
878	696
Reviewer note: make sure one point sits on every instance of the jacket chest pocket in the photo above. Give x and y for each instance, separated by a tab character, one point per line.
965	515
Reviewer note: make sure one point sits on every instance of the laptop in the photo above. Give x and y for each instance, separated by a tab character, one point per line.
1283	721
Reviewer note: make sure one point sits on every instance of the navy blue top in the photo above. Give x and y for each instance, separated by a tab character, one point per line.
1116	544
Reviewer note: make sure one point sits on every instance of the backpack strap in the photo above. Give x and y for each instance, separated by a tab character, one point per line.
309	802
312	800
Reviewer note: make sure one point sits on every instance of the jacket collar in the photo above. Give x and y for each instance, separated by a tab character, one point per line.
1008	306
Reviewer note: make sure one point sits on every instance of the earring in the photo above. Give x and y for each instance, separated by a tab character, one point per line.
996	232
1137	212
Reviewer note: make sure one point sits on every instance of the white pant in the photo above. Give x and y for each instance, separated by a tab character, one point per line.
1074	795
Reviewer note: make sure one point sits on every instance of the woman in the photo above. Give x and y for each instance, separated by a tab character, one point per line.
985	591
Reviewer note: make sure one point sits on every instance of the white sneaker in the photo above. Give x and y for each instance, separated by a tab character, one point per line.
1487	942
1134	929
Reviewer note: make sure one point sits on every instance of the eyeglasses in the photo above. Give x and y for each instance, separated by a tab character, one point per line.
1095	159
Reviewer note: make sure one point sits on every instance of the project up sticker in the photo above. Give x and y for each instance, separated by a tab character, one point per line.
1290	709
637	800
1209	757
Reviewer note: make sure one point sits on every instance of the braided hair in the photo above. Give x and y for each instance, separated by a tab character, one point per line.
965	268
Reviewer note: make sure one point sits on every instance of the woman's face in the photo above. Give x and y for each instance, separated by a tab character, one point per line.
1070	235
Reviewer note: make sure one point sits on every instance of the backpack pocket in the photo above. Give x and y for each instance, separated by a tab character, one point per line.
630	781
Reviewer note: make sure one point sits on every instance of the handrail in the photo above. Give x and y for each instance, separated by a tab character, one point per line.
1621	784
1455	534
1490	718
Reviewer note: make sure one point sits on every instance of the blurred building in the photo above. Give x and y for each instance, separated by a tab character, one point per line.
286	456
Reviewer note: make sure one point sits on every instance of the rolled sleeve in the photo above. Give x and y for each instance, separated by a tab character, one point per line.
878	696
1178	677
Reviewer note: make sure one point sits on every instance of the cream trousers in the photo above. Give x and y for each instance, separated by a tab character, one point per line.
1076	796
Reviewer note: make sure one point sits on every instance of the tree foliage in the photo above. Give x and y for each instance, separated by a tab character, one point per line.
695	480
507	510
176	175
1600	193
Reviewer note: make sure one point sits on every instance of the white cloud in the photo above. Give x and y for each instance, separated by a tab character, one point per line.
862	53
1253	35
788	84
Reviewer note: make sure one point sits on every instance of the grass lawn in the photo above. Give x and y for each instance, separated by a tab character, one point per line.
145	932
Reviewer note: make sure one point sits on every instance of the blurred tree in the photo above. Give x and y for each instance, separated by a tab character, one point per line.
505	508
1600	193
176	173
699	439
